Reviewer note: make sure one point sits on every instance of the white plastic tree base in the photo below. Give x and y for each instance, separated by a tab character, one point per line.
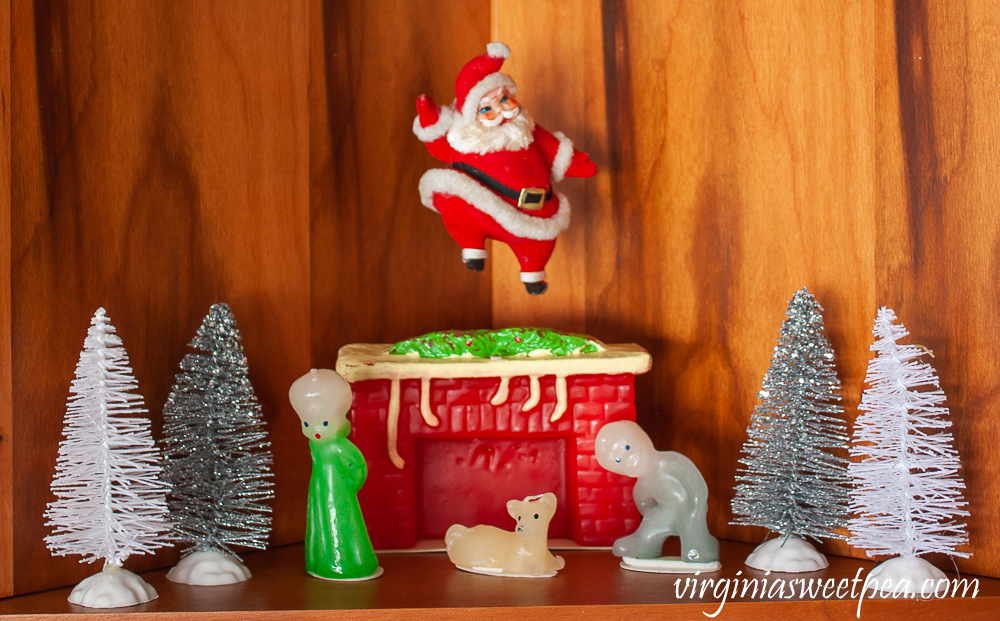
210	568
792	555
112	588
922	578
667	565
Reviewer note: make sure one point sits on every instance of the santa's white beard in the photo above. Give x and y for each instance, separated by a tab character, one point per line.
473	137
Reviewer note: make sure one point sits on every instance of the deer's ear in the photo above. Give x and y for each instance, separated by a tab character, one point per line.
549	499
512	506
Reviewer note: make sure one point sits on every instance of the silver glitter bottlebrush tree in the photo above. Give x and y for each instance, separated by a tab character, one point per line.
216	457
791	483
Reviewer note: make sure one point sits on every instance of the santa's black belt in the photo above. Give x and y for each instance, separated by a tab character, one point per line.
527	198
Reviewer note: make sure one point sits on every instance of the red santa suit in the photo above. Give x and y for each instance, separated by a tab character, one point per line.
473	202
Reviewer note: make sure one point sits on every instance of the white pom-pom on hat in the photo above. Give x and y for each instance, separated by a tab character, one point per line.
498	49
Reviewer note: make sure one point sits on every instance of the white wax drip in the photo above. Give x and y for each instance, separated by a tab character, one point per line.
364	361
425	403
392	424
535	395
560	399
534	398
502	392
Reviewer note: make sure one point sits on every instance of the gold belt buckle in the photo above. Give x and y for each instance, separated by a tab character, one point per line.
525	193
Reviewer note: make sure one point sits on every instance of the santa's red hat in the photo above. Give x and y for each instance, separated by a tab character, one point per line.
480	76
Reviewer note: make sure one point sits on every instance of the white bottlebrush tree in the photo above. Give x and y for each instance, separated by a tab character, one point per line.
907	495
218	461
111	501
792	483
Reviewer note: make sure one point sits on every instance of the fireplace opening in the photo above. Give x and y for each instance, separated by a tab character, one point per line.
468	481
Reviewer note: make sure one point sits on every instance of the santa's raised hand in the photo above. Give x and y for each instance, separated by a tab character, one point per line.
427	111
581	165
501	166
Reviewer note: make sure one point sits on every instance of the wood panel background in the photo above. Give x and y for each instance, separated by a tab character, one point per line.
6	467
160	164
383	266
749	150
168	155
938	251
552	75
743	165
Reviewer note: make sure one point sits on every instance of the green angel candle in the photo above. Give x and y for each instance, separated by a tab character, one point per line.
337	543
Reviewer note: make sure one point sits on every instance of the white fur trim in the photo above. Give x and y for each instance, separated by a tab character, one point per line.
468	254
532	277
563	158
498	50
439	128
494	80
473	137
446	181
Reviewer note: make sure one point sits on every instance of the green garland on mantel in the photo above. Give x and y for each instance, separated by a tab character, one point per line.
491	343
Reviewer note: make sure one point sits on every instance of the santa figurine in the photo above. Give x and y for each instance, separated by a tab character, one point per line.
501	165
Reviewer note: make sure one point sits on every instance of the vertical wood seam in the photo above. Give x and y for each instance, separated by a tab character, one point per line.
6	399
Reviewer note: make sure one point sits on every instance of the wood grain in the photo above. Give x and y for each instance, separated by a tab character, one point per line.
168	156
740	148
552	84
939	245
159	165
6	467
754	150
383	266
591	586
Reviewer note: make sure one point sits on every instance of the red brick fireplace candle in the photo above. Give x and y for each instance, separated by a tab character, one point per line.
452	440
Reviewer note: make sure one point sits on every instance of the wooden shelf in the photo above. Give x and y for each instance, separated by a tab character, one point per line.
427	586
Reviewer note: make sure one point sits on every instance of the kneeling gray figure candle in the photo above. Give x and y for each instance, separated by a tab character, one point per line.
672	497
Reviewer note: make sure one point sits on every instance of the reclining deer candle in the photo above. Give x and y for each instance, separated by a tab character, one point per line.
337	542
523	553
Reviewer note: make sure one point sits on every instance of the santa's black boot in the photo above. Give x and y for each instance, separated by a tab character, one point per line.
474	258
534	282
536	288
